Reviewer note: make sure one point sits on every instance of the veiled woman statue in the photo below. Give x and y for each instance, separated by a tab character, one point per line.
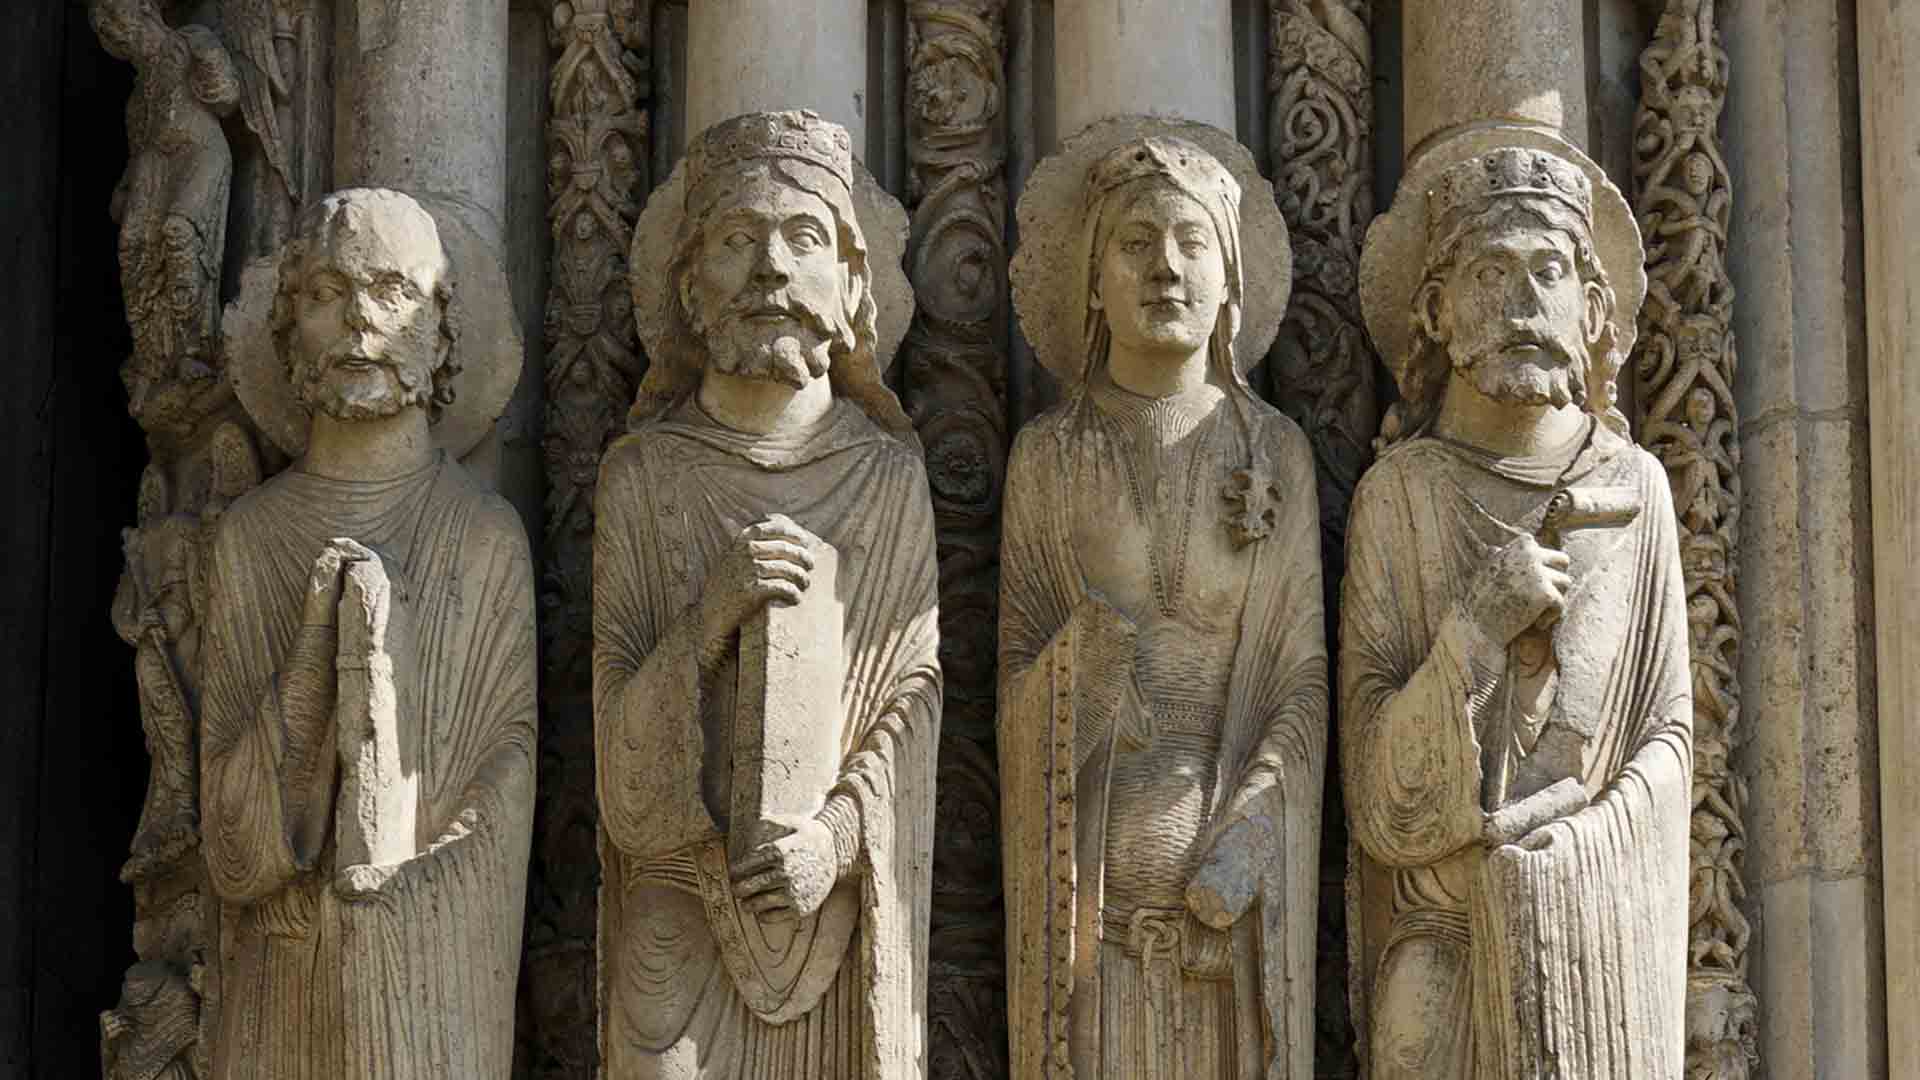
1163	687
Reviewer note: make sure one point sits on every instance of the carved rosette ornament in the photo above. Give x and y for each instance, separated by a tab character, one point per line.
1684	381
597	149
953	378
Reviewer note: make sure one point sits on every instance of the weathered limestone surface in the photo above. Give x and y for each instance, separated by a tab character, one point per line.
420	102
1807	665
1162	653
1499	61
1516	743
1122	57
766	685
368	711
747	55
1890	124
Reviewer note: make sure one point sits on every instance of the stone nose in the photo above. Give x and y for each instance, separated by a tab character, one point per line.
772	267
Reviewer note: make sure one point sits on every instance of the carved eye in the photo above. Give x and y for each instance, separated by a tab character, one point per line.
806	239
1490	274
739	240
326	292
1552	272
1134	245
1194	247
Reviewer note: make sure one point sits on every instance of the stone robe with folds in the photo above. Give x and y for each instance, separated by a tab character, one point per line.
1502	963
1105	817
417	979
672	497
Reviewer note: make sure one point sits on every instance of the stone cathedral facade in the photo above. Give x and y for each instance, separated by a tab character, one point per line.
182	192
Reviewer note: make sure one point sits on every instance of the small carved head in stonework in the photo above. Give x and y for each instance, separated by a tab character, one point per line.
1514	298
1161	235
362	315
770	266
119	25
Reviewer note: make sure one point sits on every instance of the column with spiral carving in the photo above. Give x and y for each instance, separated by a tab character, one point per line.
953	374
1320	371
596	160
1684	389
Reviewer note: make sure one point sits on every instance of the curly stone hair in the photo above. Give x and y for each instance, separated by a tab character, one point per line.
1423	381
307	228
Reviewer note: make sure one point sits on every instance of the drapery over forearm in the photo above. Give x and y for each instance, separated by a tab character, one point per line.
1411	706
648	740
267	772
1284	686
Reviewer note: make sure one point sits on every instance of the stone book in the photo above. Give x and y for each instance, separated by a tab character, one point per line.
786	722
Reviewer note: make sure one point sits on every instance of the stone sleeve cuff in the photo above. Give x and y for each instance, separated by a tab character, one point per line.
841	816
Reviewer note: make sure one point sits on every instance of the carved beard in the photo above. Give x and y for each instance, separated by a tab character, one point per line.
785	352
408	385
1554	373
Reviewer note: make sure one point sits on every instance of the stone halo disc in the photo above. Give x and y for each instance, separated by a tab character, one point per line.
883	223
488	347
1393	259
1046	280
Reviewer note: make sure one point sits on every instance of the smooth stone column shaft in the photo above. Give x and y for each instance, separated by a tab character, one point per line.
1889	37
759	55
1115	57
420	101
1479	61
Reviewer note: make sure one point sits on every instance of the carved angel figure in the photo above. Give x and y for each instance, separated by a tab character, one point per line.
1163	688
171	202
151	1033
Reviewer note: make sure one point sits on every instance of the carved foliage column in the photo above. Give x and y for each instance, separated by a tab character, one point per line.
1684	385
1320	372
1320	76
596	178
954	380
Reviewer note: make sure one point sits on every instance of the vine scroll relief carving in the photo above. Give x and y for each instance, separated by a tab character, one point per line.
1684	382
1321	370
597	150
953	380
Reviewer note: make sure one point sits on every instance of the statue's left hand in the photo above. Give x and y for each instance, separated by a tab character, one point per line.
1229	877
788	876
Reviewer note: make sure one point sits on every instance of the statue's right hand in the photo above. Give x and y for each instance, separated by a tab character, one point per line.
1524	581
324	581
769	560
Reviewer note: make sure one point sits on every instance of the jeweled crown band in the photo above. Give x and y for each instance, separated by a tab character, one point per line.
1189	167
1509	172
800	135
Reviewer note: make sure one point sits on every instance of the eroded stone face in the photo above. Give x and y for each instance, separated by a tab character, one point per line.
1162	276
367	319
1513	314
767	285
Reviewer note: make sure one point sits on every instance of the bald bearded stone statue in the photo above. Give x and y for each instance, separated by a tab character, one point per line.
368	711
1163	686
766	688
1516	741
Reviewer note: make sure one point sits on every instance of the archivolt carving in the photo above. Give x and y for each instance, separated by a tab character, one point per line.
1321	369
953	377
172	206
596	178
1684	373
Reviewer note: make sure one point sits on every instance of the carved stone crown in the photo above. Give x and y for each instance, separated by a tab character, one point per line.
1508	172
1191	168
797	134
